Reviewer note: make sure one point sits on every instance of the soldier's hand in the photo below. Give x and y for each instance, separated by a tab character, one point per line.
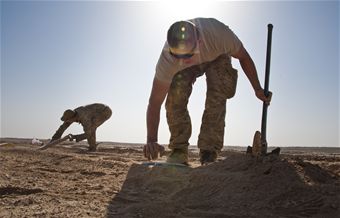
152	149
260	95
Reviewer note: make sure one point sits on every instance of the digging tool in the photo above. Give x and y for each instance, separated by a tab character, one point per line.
264	143
260	144
55	142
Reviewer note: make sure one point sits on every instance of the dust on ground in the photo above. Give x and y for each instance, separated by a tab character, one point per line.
68	181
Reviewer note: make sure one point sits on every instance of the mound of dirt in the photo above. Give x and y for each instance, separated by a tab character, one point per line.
238	186
68	181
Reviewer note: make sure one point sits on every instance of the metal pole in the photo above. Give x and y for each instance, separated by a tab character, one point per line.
266	91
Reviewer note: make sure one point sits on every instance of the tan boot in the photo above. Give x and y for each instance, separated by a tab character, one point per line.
207	157
179	156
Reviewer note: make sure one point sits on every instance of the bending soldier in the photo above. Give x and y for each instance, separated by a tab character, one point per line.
193	48
90	117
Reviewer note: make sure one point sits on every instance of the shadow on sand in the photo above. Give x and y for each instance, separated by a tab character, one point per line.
238	186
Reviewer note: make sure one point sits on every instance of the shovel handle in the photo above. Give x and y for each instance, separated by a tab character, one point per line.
266	91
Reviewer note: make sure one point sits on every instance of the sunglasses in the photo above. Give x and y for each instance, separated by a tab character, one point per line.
182	56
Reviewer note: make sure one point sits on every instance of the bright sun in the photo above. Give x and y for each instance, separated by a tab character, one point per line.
182	10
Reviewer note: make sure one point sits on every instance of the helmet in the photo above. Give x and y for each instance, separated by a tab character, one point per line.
68	114
182	37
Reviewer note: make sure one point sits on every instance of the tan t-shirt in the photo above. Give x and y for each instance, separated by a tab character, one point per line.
216	39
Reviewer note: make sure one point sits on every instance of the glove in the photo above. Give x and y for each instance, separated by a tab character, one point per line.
152	149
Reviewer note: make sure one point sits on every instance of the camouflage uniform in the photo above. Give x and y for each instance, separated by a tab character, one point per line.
90	117
221	85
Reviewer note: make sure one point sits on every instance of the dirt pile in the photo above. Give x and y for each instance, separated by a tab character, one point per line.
238	186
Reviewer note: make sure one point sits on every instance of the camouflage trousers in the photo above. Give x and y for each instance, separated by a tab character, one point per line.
95	118
221	81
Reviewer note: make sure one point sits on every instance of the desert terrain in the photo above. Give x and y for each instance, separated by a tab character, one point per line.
68	181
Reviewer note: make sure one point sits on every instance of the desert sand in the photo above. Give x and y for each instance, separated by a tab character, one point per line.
68	181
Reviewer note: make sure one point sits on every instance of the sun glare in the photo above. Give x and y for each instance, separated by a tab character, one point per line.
183	10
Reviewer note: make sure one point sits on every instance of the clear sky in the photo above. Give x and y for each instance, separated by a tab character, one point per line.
60	55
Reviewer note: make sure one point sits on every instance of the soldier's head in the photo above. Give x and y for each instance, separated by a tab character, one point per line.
182	39
68	115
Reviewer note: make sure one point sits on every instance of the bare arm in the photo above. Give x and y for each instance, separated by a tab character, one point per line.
249	69
157	96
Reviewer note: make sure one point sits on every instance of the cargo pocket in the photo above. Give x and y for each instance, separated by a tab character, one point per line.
230	82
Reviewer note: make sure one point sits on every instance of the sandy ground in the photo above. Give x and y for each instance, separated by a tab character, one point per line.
68	181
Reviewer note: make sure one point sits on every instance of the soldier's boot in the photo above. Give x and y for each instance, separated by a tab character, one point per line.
207	157
179	156
93	147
